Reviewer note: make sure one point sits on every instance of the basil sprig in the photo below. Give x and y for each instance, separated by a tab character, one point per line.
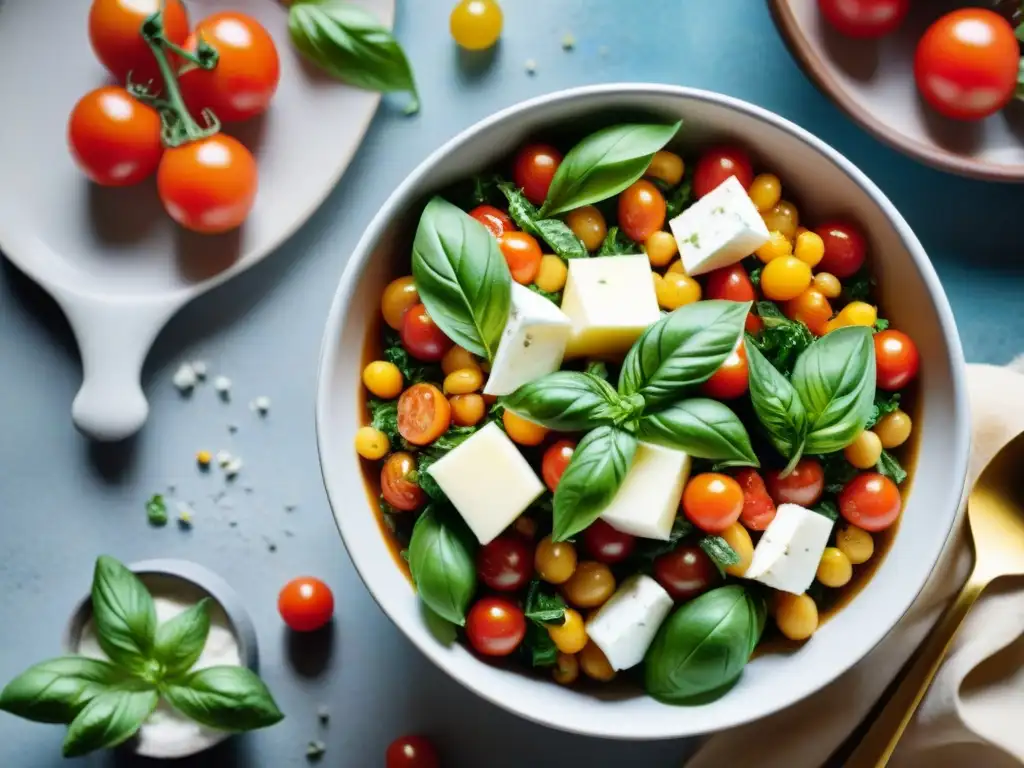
441	561
554	232
567	401
704	428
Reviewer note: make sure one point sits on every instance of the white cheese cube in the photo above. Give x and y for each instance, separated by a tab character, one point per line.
610	301
625	626
648	500
532	344
720	229
787	556
488	481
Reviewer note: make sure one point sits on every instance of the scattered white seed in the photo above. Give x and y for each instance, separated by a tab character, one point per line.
568	41
260	405
233	467
200	369
223	386
223	458
185	378
531	67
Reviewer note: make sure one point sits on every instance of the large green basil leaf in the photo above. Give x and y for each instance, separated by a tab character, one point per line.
681	350
701	649
604	164
441	561
705	429
777	405
567	401
554	232
594	475
111	718
225	698
462	278
180	641
835	379
125	616
55	691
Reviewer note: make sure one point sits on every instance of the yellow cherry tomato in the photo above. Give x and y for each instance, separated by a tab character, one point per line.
590	586
894	429
396	299
784	217
383	379
552	274
457	358
372	443
739	539
776	247
765	191
828	285
785	278
476	24
467	410
676	289
554	561
666	166
566	669
865	450
570	636
854	313
677	266
588	224
809	248
835	569
661	248
855	543
796	615
523	431
463	381
595	664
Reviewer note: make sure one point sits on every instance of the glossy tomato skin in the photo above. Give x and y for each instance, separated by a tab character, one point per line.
556	459
685	572
642	210
114	138
421	337
731	379
306	604
505	564
534	168
522	254
729	283
208	186
719	163
896	360
845	249
412	752
712	501
114	27
396	487
803	486
865	18
495	626
758	507
496	220
424	414
607	545
871	501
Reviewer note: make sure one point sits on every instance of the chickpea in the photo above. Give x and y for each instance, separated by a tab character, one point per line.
397	298
383	379
855	543
809	248
894	429
661	248
457	358
865	450
522	430
796	615
571	635
784	217
828	285
675	290
765	191
566	670
739	539
785	278
776	247
590	586
595	664
464	381
467	410
372	443
552	274
835	569
666	166
555	561
588	224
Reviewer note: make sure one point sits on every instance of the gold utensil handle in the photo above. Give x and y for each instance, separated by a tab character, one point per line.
880	741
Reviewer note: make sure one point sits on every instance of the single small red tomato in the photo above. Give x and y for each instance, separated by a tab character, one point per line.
421	337
505	564
730	380
753	323
424	414
305	604
803	486
864	18
712	501
248	70
522	254
845	249
685	572
114	138
496	220
718	164
729	283
896	360
967	63
642	210
534	168
870	501
396	487
607	545
114	32
556	459
758	507
495	626
412	752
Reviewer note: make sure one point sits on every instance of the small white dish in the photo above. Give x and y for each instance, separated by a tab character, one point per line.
111	258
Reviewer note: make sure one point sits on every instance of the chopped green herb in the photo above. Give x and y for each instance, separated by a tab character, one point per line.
412	371
860	287
156	510
538	647
617	244
554	232
720	551
828	508
555	297
679	199
648	550
890	466
838	471
781	340
881	324
543	604
755	276
885	403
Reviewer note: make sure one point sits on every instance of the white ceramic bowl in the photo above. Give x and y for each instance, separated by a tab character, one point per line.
823	183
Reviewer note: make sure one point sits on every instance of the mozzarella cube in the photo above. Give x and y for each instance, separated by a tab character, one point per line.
610	301
488	481
532	344
625	626
648	500
787	556
720	229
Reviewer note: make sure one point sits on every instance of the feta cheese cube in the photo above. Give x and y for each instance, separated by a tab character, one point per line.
787	556
720	229
532	344
625	626
488	481
648	500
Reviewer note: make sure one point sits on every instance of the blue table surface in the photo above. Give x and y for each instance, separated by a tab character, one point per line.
63	501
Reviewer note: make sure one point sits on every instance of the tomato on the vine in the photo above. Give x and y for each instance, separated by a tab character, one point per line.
758	507
396	487
864	18
114	137
496	220
896	359
424	414
556	459
803	486
717	164
606	544
505	564
534	168
730	380
685	572
305	604
412	752
421	336
729	283
712	501
870	501
495	626
114	31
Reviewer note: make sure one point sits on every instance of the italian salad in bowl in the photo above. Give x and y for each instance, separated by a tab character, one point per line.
632	418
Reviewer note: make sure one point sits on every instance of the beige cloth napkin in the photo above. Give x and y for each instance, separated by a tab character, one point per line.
973	714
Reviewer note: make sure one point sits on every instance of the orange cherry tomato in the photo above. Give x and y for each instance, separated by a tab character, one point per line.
534	168
396	487
712	501
870	501
641	210
305	604
424	414
522	253
556	459
114	138
810	308
730	380
803	486
758	507
114	31
496	220
896	359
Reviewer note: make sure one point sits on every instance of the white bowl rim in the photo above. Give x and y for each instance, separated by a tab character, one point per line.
426	643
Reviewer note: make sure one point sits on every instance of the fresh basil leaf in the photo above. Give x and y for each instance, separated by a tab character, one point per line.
110	718
538	647
881	324
597	368
648	550
781	340
180	641
720	551
603	164
555	297
462	277
413	371
567	401
156	510
225	698
596	471
681	350
453	438
777	405
860	287
705	429
443	630
441	561
755	276
835	379
827	508
890	466
350	44
125	616
885	403
837	470
679	199
554	232
542	605
616	243
55	691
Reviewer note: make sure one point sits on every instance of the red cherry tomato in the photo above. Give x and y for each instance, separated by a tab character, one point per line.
641	210
522	254
606	544
556	459
247	72
305	604
208	186
864	18
115	139
495	626
424	414
421	337
845	249
729	283
712	501
718	164
496	220
396	487
534	169
803	486
685	572
896	359
412	752
753	323
114	31
966	64
758	507
505	564
730	380
870	501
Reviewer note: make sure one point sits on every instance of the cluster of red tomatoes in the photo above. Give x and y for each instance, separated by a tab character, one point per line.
967	62
119	135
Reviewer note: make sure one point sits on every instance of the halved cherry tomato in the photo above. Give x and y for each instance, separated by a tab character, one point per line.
641	210
758	507
505	563
730	380
556	459
421	337
810	308
305	604
803	486
495	626
534	169
712	501
496	220
522	254
864	18
718	164
424	414
114	138
845	249
729	283
685	572
606	544
870	501
247	72
396	487
208	186
896	359
412	752
114	31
